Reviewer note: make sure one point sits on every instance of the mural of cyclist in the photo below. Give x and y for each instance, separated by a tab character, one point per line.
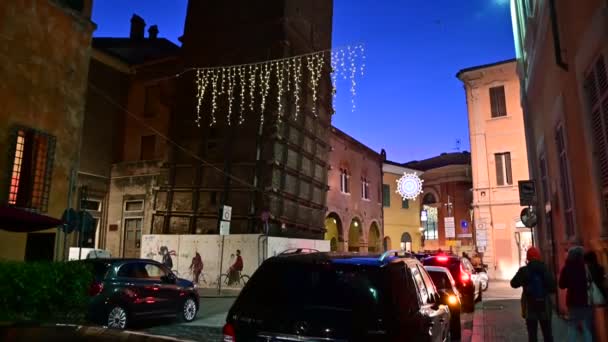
166	254
235	270
196	267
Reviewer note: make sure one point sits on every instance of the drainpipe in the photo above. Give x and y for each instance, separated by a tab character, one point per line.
556	41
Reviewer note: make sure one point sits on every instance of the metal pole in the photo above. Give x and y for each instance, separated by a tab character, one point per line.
70	193
219	287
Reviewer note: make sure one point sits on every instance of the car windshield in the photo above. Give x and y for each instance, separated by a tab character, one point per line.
314	287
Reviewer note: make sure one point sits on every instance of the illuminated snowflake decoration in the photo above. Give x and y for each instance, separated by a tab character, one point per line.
409	186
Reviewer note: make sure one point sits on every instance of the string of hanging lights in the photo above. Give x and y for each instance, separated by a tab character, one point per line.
251	82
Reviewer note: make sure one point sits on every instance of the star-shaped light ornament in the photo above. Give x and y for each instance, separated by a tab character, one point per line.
409	186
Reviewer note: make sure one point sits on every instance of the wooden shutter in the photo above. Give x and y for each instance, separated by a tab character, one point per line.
500	177
386	195
509	175
596	83
498	102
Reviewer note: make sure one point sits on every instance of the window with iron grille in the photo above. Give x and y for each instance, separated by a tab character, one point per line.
564	171
596	91
504	175
31	167
498	102
364	188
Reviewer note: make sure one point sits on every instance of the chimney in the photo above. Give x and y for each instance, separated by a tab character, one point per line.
153	32
138	25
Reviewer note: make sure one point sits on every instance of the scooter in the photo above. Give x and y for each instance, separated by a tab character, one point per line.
482	275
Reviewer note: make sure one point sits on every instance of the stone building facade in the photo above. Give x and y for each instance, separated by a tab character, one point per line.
280	167
499	162
447	197
354	201
125	129
45	47
562	52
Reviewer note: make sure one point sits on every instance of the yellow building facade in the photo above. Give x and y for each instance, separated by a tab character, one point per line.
401	217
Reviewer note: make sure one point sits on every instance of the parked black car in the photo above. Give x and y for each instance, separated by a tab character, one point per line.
446	285
463	273
338	297
126	290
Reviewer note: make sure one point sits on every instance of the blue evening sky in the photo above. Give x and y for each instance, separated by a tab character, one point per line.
409	102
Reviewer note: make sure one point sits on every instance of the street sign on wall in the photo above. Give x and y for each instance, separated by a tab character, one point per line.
224	228
227	213
527	193
450	227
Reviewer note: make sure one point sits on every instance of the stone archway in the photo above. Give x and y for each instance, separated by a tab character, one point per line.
373	239
354	235
333	231
406	242
387	243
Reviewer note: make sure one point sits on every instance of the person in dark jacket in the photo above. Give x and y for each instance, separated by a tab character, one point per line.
597	272
538	284
573	278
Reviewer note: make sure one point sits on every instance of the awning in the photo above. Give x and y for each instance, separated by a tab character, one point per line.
22	221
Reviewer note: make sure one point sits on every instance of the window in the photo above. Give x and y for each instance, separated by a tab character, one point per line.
386	195
405	204
364	188
31	169
503	168
596	91
344	177
133	270
497	101
430	226
93	207
154	271
560	140
148	147
152	101
424	295
134	205
133	214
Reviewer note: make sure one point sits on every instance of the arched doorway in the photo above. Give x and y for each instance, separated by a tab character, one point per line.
333	231
373	240
406	242
387	243
354	236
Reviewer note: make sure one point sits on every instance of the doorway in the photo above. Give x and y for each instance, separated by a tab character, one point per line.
40	247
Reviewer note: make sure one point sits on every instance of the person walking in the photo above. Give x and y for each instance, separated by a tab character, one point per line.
573	278
595	276
538	284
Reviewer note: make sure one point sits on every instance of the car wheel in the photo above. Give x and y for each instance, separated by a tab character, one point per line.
455	327
484	286
189	310
117	318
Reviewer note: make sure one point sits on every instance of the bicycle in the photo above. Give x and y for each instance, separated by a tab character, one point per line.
224	279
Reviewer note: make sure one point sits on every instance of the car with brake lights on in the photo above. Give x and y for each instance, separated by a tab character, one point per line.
446	285
314	296
462	271
127	290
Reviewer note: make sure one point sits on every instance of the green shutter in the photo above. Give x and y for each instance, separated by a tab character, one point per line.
386	195
405	204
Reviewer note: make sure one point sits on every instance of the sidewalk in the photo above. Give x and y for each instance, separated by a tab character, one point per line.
498	318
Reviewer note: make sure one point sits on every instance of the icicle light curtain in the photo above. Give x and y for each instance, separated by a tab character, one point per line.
252	82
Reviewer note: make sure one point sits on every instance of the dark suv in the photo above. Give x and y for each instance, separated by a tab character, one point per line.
463	273
125	290
338	297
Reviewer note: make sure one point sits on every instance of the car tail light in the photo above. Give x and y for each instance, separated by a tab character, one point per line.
95	288
229	334
464	276
442	258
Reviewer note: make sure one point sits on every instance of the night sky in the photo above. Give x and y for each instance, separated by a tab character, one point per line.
409	102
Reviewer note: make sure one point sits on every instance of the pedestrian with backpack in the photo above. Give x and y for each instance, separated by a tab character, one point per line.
538	284
573	278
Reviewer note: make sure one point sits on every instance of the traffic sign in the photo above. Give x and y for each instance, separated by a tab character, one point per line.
527	193
224	228
450	227
227	213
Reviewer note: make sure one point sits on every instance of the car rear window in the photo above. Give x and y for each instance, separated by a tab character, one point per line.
100	269
451	264
324	287
440	279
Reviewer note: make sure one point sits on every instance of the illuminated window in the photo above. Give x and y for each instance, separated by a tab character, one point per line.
32	163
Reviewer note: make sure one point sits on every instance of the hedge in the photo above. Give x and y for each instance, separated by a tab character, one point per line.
44	291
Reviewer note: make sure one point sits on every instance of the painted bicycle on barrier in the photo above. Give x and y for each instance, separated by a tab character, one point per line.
234	277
